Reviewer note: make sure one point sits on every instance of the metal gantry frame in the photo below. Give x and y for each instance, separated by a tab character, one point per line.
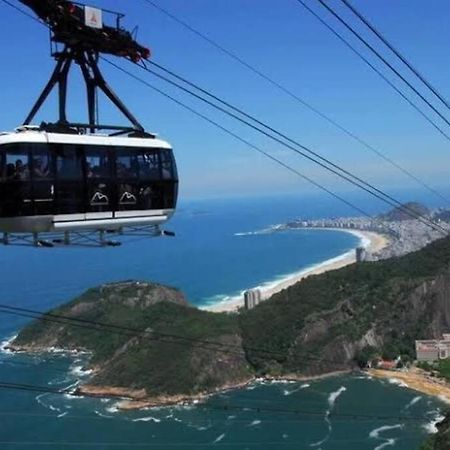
88	63
92	238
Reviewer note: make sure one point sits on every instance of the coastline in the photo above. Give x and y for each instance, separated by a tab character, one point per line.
372	242
416	379
137	399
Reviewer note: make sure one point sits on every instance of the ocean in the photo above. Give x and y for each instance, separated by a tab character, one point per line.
221	248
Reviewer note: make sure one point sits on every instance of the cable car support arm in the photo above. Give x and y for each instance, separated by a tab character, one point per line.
83	35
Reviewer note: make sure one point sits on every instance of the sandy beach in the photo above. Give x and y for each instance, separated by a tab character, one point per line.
373	242
417	380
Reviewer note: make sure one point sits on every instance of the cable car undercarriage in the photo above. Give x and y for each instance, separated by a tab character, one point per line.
64	183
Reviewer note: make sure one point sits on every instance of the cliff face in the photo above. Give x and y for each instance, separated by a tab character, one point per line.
316	326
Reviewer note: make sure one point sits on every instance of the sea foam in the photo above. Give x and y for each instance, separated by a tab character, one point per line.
332	398
388	442
147	419
413	402
431	427
397	382
219	438
6	343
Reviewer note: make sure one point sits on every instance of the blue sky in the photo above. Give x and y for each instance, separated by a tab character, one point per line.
284	41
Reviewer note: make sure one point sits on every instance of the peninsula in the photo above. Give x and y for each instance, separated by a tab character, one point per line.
149	346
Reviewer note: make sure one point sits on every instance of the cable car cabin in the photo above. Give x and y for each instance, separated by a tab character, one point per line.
67	182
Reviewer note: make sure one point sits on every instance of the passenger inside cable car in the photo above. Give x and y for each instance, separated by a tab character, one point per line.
52	179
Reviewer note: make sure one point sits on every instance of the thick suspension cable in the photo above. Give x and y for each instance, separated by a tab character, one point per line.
398	54
359	182
321	161
383	59
297	98
377	71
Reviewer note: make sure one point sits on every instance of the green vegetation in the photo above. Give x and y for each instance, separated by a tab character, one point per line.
443	368
314	324
154	360
334	321
366	355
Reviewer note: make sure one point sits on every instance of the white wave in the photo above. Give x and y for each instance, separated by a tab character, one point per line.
281	381
147	419
413	402
80	371
444	399
53	408
219	438
62	414
40	402
431	427
389	443
290	392
112	409
102	415
254	423
334	396
375	434
231	417
397	382
6	343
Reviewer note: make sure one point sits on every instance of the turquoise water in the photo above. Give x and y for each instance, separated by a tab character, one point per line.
216	254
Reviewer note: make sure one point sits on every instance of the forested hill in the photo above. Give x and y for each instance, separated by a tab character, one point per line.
319	325
323	322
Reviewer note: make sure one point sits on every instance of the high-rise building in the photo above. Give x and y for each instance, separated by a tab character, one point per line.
251	298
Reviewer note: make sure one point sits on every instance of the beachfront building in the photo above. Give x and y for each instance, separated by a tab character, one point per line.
252	298
361	254
433	349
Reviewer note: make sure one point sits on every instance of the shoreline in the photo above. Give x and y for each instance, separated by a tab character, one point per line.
417	380
371	241
136	399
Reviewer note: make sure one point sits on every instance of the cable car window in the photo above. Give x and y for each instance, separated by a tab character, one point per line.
43	180
98	180
69	162
127	171
69	179
166	164
149	168
17	164
127	164
15	188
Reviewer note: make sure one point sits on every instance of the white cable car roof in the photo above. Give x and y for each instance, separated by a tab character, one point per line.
34	135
